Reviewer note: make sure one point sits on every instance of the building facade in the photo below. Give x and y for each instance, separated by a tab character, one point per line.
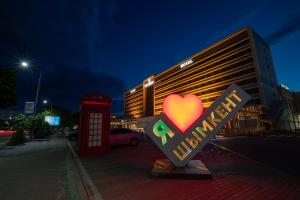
242	58
289	117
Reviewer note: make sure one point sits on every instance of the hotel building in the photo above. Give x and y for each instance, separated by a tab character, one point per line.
243	58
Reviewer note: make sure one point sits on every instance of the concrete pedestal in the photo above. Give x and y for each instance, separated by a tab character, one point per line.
195	169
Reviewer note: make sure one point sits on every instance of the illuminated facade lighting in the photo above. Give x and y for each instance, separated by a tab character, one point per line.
243	58
132	91
149	83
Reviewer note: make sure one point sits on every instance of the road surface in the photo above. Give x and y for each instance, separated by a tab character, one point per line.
277	151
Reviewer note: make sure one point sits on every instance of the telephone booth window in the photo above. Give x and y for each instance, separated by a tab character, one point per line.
93	138
95	129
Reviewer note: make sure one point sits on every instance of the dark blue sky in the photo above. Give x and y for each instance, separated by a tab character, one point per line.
110	46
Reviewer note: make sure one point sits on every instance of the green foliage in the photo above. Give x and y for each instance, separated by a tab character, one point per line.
17	138
3	125
21	122
36	124
8	95
39	126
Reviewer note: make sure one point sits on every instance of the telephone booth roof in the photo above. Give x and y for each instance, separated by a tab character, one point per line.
94	98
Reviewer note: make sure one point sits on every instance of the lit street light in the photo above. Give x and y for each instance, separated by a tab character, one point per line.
25	64
45	102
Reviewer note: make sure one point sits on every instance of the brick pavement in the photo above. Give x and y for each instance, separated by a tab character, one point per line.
124	173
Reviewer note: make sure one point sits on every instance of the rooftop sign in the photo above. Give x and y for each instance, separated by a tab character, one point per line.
186	63
148	83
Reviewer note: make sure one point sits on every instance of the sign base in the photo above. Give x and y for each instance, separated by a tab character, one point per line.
195	169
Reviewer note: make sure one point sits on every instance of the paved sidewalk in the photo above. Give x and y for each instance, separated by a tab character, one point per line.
3	141
124	173
39	171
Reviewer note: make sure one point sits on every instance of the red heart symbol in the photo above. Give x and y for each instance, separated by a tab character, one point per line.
182	111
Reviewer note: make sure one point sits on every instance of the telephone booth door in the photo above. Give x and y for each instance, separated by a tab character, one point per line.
94	125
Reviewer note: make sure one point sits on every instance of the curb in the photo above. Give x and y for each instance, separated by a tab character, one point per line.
6	147
88	184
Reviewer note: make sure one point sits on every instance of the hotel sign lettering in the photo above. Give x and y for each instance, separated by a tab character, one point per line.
180	147
186	63
148	83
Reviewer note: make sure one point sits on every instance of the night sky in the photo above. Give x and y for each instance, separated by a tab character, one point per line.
111	46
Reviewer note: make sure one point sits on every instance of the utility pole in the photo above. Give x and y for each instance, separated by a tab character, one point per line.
37	94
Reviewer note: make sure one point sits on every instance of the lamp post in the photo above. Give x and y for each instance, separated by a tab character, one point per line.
25	65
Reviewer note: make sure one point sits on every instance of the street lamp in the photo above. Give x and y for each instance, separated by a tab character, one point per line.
25	64
45	101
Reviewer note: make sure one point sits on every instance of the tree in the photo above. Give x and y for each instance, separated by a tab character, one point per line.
8	95
36	124
17	138
66	116
20	122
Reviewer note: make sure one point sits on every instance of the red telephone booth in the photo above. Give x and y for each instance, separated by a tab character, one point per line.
94	133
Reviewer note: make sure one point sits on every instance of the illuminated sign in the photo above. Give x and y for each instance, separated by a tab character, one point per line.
149	83
132	91
181	132
52	120
29	107
182	118
285	87
186	63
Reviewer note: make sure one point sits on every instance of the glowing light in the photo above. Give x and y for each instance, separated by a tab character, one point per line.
6	133
24	64
149	83
132	91
186	63
95	103
181	131
52	120
160	129
45	101
285	87
182	111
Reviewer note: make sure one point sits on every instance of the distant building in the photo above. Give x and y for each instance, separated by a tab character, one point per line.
243	58
289	118
123	122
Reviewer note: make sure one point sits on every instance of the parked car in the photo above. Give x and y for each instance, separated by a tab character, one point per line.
72	135
123	136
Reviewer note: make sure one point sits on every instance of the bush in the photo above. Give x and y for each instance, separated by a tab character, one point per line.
40	128
36	124
17	138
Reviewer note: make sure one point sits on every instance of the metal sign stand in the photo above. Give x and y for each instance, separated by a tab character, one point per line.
195	169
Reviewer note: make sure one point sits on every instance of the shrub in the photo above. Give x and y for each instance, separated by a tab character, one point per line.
17	138
36	124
